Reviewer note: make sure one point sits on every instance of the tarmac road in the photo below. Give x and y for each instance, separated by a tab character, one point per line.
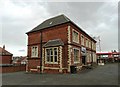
102	75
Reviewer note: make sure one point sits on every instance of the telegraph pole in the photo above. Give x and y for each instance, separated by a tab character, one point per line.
99	43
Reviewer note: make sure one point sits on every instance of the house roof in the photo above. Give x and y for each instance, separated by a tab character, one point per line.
116	53
108	53
105	53
21	59
61	19
51	22
56	42
4	52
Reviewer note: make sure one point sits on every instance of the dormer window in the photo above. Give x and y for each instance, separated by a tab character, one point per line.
51	22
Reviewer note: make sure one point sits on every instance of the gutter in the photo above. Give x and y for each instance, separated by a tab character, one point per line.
41	52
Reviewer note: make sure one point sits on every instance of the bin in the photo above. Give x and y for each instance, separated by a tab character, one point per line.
73	69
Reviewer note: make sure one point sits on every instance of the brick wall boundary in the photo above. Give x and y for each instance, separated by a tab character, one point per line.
9	69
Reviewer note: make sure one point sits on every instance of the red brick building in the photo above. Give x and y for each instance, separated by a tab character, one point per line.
57	44
5	56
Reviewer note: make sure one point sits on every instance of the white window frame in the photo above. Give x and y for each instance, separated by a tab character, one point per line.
49	62
87	57
87	42
35	54
78	55
115	55
95	46
82	40
73	37
92	45
94	57
90	55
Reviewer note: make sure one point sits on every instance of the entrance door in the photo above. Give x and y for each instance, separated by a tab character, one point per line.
83	60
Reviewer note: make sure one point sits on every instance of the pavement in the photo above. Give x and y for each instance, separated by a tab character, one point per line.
101	75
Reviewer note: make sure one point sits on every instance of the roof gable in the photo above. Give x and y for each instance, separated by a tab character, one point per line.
4	52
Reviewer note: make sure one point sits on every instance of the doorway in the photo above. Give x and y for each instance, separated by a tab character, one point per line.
84	60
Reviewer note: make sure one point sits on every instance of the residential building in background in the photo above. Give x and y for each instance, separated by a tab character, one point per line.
7	64
57	45
19	60
5	56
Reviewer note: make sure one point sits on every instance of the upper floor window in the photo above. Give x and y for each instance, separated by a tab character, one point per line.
94	46
52	55
87	42
82	40
75	36
34	51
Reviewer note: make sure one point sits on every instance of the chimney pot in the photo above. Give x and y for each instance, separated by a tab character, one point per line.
4	47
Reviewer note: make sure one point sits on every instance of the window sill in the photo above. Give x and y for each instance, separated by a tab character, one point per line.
34	57
50	63
76	62
76	42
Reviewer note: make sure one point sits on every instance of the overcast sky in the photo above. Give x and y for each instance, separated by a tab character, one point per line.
20	16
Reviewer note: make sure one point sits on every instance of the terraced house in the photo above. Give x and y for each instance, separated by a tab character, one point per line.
57	44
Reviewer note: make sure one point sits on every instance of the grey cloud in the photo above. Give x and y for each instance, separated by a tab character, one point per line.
17	20
15	26
96	18
22	50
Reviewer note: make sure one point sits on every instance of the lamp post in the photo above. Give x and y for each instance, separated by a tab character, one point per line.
27	64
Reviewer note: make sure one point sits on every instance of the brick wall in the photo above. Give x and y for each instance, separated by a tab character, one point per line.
9	69
33	38
33	63
51	71
6	59
57	32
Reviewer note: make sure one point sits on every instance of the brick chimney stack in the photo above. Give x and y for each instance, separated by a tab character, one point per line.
3	50
4	47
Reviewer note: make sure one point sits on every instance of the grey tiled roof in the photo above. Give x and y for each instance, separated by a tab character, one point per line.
56	42
61	19
51	22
